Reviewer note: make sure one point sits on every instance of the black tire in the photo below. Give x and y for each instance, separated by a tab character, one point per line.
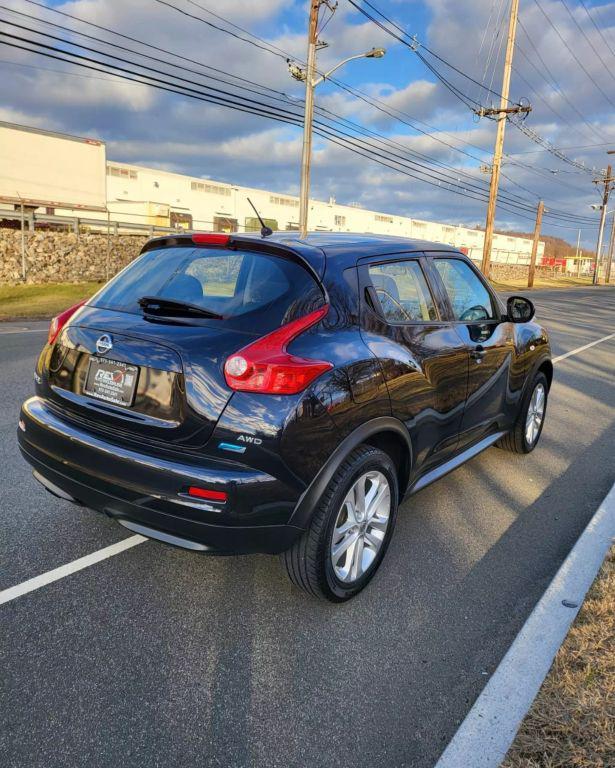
308	562
515	440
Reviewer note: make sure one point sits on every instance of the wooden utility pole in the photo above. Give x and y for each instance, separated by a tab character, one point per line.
306	156
499	137
530	275
610	252
607	181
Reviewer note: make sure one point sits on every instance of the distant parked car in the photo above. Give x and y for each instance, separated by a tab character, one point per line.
235	394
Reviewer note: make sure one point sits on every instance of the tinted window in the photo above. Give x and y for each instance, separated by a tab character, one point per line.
252	290
469	298
402	291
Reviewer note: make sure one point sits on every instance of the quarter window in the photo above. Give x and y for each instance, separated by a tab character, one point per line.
469	298
403	292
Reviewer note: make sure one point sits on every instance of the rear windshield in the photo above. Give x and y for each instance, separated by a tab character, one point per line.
252	291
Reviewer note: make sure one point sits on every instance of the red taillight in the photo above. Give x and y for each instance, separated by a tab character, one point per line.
211	238
204	493
59	321
265	366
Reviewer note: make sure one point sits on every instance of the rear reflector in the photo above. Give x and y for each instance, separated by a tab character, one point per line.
211	238
59	321
204	493
266	367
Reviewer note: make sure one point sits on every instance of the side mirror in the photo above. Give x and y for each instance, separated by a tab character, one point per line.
519	309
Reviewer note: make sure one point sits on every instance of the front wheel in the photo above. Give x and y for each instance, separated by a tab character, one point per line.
527	429
350	530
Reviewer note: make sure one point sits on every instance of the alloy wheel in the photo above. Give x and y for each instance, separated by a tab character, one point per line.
361	526
535	414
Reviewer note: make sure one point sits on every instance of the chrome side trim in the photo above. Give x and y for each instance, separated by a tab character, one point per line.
454	463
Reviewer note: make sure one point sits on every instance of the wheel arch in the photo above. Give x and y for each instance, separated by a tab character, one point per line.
546	367
386	433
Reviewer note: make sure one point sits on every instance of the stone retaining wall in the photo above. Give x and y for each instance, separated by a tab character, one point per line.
58	257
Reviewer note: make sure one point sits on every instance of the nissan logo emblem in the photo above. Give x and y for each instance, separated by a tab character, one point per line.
104	344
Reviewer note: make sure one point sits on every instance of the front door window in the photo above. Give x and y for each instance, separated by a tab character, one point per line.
470	300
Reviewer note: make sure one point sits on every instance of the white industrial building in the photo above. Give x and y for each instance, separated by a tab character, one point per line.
44	175
147	195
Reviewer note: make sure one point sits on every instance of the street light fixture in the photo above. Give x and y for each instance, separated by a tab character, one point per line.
311	82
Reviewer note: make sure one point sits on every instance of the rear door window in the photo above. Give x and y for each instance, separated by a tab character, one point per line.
402	291
252	291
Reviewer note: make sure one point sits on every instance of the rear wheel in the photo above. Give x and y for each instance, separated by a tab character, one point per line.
350	530
526	432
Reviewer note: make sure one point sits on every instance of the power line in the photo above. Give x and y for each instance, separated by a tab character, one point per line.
221	29
215	94
535	92
122	36
186	90
573	54
593	48
414	44
337	119
284	98
554	83
358	94
597	147
469	101
530	133
591	18
342	139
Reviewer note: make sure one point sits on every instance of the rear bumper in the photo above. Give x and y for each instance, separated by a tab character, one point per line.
143	491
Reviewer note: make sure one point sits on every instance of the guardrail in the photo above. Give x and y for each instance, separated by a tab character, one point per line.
75	223
109	227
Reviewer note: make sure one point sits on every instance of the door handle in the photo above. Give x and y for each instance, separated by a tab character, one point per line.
478	353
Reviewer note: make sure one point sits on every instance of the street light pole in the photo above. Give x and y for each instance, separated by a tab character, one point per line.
311	82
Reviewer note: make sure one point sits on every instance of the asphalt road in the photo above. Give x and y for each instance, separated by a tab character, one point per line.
159	657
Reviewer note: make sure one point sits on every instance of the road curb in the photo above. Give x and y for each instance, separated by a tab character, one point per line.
484	737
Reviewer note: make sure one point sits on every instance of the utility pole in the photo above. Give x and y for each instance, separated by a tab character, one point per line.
306	156
530	275
501	116
610	253
612	243
607	181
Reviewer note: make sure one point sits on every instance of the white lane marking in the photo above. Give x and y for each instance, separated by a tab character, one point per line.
24	330
65	570
491	725
583	348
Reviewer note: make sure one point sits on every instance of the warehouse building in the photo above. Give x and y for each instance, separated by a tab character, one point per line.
46	175
160	198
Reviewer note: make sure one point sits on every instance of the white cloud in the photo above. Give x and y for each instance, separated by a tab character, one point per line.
151	127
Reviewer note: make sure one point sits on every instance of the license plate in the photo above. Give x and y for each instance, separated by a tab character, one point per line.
111	381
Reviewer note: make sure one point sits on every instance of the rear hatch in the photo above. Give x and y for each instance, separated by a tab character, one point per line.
153	371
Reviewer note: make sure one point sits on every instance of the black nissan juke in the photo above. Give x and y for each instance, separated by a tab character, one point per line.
234	393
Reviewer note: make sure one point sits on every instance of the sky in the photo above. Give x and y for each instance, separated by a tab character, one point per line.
564	66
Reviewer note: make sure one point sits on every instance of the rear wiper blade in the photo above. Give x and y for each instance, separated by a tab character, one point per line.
161	306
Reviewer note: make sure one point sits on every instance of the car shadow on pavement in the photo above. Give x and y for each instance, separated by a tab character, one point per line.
160	656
